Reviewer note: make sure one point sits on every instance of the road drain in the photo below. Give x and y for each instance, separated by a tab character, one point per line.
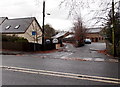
64	75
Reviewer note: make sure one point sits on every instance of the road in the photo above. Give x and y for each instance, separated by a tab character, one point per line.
57	69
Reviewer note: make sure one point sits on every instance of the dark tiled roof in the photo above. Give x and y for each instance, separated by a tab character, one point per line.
22	23
2	19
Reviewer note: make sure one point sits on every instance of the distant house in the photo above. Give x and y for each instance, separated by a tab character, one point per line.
94	35
61	35
70	38
27	28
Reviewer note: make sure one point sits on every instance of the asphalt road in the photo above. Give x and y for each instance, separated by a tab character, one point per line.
53	62
18	78
77	67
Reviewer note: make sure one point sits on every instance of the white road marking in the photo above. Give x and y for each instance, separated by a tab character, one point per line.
64	56
113	60
99	59
88	59
61	74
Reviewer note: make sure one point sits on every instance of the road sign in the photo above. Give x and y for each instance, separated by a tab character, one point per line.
33	32
47	41
55	40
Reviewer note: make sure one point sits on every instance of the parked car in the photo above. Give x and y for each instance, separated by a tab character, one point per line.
87	41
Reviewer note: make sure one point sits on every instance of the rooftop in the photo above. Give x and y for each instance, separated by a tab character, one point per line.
19	25
60	34
2	19
94	30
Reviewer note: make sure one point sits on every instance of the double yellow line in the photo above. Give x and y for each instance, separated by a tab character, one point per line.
65	75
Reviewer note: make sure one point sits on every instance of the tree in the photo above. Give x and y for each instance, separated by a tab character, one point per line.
108	32
117	28
99	14
108	28
80	32
49	31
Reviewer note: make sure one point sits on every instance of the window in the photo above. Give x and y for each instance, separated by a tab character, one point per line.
7	27
16	27
99	38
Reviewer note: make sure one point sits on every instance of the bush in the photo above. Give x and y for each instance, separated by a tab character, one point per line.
118	49
79	44
110	48
13	39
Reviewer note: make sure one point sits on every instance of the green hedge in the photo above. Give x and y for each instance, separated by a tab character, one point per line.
118	49
110	48
13	39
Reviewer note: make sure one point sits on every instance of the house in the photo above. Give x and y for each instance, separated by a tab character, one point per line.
94	35
61	35
70	38
27	28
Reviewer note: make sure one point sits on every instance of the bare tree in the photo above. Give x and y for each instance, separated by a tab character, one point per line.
80	32
99	15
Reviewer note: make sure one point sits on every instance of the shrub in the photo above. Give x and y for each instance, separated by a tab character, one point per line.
13	39
118	49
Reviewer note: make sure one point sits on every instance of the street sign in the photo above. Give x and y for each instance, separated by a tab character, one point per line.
47	41
55	40
33	32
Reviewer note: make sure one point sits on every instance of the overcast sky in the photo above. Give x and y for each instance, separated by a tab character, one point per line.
27	8
58	17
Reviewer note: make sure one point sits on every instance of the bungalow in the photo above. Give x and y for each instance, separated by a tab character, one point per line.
94	35
27	28
61	35
59	38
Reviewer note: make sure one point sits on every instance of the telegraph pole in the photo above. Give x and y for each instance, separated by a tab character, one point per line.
43	32
113	29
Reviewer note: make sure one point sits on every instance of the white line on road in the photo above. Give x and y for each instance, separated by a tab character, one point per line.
99	59
61	74
64	56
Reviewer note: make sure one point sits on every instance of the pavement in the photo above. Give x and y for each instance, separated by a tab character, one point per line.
11	52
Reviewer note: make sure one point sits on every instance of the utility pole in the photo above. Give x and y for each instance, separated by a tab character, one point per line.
113	29
43	32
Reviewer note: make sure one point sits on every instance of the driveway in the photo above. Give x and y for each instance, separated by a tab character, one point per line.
89	52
